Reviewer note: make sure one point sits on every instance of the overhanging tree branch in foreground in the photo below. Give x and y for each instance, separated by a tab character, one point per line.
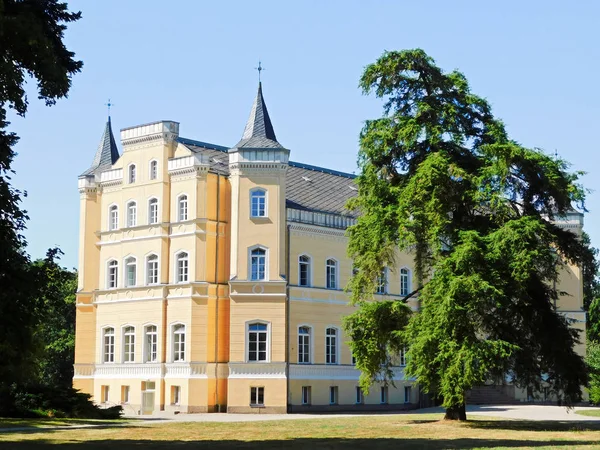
441	179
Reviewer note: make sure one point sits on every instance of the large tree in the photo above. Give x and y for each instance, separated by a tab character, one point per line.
441	180
31	46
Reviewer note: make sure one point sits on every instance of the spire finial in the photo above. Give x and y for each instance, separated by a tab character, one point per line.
260	68
555	154
109	104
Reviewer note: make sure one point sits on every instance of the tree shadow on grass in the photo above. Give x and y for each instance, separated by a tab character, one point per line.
535	425
298	444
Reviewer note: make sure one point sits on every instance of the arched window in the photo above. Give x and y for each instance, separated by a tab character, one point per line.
258	203
257	342
128	344
304	270
153	211
258	262
130	271
304	345
131	214
132	173
179	343
113	217
108	345
331	274
331	349
182	268
152	269
182	208
382	282
404	281
112	274
153	169
151	344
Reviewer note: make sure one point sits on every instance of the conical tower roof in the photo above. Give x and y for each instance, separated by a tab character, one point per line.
107	153
259	131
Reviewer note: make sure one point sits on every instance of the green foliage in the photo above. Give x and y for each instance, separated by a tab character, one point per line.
593	362
441	179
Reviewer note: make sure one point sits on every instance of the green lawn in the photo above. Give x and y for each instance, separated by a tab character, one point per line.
589	412
362	432
53	422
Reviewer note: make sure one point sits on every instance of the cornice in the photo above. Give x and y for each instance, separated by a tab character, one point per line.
316	229
166	137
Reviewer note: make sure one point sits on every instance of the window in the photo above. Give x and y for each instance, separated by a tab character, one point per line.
124	394
182	267
306	395
132	173
257	342
179	343
153	211
151	344
131	214
333	395
182	208
113	218
130	271
383	396
257	396
304	345
258	261
129	344
108	349
104	394
382	282
359	395
152	269
304	270
403	356
407	394
175	395
112	274
258	203
331	356
404	281
153	170
331	274
353	360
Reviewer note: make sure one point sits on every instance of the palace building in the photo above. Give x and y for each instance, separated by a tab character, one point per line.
212	278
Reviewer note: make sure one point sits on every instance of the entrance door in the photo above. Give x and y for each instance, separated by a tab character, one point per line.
148	397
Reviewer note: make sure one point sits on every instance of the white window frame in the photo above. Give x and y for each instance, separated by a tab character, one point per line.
131	175
336	347
128	357
334	392
147	271
147	346
256	403
175	352
180	200
247	341
150	202
108	273
113	224
103	352
384	395
310	343
408	276
175	395
150	174
128	261
359	396
407	390
266	197
176	268
125	394
336	267
402	357
306	395
266	250
310	271
382	288
131	218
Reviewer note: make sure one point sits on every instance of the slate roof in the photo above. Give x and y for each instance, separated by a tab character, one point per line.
107	153
259	131
308	187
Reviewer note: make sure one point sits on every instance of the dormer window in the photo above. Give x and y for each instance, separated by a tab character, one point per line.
258	203
132	173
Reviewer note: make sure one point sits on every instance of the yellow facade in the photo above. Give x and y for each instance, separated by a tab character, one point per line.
192	297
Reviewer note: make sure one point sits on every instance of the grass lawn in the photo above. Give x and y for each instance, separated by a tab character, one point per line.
364	432
43	422
589	412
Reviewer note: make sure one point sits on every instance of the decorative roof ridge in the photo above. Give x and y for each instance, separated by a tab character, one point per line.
322	169
186	141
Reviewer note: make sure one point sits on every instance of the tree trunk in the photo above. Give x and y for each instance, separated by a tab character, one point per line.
457	412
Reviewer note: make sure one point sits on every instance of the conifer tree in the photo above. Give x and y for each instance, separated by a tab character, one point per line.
441	179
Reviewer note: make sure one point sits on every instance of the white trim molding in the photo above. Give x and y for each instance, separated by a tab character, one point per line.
332	372
257	370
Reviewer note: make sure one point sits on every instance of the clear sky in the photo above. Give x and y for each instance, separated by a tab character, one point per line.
537	62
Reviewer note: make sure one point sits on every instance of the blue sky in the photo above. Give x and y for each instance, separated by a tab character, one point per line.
537	63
